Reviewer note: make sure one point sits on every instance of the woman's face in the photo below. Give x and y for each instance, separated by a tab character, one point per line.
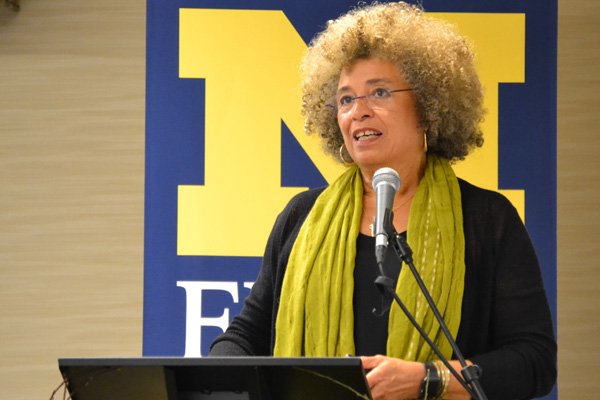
383	130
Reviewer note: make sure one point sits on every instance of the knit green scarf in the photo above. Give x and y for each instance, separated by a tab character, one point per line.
317	317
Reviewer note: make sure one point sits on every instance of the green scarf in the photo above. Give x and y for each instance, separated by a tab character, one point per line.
317	320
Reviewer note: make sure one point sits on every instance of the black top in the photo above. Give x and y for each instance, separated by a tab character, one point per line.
506	324
371	309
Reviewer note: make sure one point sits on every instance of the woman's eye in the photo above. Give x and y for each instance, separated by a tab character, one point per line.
380	93
344	100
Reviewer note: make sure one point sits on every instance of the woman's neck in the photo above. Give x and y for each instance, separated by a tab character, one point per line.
410	177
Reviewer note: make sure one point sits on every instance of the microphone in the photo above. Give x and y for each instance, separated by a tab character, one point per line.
386	183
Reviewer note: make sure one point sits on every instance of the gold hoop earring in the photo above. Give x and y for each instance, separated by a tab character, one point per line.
347	163
425	142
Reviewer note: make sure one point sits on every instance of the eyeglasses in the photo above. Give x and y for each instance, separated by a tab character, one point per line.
378	98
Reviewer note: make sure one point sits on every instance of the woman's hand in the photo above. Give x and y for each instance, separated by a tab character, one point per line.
393	378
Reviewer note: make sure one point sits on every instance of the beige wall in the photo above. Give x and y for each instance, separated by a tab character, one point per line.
578	198
72	189
72	83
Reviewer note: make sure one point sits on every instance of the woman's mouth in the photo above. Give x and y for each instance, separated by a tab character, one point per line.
366	135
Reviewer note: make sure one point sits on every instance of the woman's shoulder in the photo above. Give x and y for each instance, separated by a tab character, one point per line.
475	197
485	209
295	212
303	202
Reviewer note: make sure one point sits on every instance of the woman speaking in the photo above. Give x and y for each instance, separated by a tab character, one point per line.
387	86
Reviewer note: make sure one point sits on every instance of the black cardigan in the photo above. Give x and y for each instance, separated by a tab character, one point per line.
506	325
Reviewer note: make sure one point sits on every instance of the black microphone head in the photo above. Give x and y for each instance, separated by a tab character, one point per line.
386	176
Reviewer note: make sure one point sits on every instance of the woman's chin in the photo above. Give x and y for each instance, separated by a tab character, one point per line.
372	163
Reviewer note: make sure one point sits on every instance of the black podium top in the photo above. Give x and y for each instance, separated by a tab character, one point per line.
214	378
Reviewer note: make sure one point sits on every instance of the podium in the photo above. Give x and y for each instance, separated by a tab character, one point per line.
214	378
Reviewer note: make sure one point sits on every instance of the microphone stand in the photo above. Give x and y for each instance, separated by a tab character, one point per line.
471	373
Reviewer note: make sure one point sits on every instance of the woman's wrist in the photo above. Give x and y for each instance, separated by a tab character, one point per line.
419	373
436	381
444	375
431	386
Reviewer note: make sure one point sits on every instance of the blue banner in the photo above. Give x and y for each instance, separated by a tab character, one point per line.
225	149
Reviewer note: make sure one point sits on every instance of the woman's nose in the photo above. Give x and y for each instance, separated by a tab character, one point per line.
361	108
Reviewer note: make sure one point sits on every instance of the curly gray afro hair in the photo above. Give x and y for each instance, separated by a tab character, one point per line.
433	58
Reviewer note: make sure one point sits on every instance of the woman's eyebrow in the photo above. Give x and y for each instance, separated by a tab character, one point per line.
377	81
370	82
